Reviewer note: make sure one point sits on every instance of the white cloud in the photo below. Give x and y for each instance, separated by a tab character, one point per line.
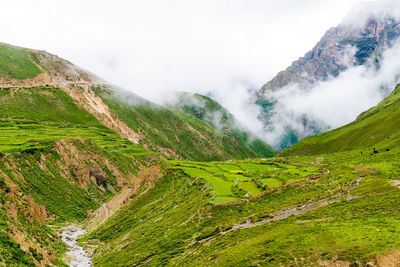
338	101
380	9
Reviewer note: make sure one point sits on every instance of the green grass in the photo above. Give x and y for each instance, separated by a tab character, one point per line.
17	63
250	187
272	182
223	175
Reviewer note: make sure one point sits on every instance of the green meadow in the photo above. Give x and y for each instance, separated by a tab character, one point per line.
243	179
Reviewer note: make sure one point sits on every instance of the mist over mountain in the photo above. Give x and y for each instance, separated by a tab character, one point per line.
350	69
93	174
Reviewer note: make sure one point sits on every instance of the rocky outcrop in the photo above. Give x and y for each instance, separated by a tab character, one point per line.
85	164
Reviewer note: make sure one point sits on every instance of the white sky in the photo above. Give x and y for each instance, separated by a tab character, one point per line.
151	47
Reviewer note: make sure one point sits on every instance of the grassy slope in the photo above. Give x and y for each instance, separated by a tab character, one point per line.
32	120
235	180
176	224
188	137
206	109
17	63
378	127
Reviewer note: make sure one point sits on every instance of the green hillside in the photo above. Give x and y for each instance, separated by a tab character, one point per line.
178	134
58	163
345	214
206	109
17	63
33	118
377	128
58	159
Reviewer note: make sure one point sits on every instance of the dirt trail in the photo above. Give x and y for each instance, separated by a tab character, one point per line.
285	213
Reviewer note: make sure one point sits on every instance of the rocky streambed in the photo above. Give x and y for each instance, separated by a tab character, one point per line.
77	256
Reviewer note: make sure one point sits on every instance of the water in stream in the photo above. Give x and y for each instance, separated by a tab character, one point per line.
79	256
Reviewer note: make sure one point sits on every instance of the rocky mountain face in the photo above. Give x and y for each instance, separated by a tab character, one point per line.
341	47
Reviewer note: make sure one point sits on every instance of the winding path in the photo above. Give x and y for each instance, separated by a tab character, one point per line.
285	213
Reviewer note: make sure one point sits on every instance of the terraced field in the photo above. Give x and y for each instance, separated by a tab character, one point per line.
243	179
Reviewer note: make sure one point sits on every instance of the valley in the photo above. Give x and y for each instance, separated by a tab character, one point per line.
348	202
94	175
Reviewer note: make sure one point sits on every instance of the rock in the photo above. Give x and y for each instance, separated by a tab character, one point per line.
369	264
98	175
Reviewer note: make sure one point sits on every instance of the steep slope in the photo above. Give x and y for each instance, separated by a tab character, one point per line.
57	164
348	45
155	127
375	130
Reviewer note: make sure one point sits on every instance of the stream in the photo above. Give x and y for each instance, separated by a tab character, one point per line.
78	256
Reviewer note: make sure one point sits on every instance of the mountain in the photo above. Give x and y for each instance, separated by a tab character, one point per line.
347	45
70	143
154	127
177	134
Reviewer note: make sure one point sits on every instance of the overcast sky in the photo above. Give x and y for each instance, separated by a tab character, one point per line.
150	47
